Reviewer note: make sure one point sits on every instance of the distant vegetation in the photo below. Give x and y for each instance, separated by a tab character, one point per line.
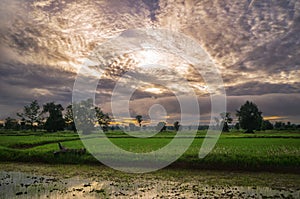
269	150
52	117
271	147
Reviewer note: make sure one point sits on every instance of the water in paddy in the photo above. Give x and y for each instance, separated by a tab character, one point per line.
24	185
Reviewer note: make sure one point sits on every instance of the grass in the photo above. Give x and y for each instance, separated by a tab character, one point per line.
270	150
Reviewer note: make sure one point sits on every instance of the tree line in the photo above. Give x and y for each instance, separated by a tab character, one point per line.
250	119
50	117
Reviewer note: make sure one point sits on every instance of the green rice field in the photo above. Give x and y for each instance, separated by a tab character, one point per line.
270	150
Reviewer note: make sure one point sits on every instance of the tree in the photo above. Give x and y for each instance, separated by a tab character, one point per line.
249	117
84	116
23	124
289	125
226	119
266	125
237	126
31	114
279	125
176	126
69	118
161	126
11	123
139	119
103	119
55	121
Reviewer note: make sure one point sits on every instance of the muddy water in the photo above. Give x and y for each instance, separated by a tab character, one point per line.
24	185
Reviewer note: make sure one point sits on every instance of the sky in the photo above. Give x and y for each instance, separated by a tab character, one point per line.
153	53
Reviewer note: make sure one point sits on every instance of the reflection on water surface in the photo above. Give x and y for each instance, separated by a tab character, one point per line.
24	185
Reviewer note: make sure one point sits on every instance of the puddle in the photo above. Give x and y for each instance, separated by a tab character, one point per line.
24	185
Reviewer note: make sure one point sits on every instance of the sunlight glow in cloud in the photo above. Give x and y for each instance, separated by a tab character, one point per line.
147	58
255	44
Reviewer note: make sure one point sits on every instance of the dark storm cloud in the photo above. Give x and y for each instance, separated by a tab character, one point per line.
20	84
260	88
106	84
31	76
153	7
285	105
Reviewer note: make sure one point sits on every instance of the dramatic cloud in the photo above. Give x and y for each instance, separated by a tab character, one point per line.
284	106
20	84
255	45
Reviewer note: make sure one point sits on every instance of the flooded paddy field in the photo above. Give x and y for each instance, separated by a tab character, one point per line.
75	181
